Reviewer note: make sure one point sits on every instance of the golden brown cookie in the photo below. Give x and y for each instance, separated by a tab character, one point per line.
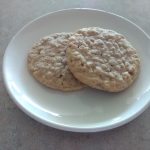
102	59
47	63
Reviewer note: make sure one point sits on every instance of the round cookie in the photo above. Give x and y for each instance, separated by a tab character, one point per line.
47	63
102	59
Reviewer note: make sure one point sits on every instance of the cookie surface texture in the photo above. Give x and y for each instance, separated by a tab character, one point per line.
47	63
102	59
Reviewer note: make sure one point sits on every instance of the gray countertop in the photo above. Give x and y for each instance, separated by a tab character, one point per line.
20	132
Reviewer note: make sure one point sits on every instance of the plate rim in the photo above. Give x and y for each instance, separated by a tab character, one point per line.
55	124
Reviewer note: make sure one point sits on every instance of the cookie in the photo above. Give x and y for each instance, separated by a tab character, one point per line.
47	63
102	59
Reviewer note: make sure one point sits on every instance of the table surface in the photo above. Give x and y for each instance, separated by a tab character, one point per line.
20	132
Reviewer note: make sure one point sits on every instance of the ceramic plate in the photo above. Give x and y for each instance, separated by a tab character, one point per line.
86	110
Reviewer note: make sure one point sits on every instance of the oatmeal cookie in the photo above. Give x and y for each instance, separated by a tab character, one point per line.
47	63
102	59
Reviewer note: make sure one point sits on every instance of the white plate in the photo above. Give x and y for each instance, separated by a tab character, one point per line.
87	110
